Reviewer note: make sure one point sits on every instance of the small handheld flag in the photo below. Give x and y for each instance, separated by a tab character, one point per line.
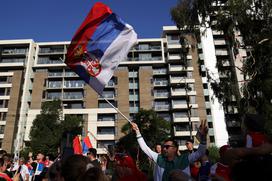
102	41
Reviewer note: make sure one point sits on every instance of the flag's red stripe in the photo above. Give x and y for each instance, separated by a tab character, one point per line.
97	14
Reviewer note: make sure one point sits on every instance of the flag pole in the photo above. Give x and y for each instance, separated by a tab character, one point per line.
116	109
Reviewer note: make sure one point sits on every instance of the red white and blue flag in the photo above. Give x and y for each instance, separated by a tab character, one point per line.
86	144
102	41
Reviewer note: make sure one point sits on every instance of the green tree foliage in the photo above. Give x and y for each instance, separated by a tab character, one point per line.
154	129
48	128
253	19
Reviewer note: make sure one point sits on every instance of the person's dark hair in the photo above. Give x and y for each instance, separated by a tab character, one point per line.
94	174
1	162
2	152
253	168
54	171
190	140
73	167
254	122
175	143
92	151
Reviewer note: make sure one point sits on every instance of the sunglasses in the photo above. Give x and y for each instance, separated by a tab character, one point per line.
167	146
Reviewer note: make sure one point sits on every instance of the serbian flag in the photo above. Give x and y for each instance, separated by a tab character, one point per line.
77	145
100	43
86	144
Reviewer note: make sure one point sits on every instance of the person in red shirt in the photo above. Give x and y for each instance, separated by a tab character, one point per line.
254	130
221	169
3	168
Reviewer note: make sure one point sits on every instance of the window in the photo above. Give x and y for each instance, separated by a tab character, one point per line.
143	47
2	129
73	95
145	56
105	144
106	117
3	116
2	91
54	95
106	130
208	111
205	86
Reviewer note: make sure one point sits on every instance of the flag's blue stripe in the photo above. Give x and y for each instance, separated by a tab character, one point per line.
104	35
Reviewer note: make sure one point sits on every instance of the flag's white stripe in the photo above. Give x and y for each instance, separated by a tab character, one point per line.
114	54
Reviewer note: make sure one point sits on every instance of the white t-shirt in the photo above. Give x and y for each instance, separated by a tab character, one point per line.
24	171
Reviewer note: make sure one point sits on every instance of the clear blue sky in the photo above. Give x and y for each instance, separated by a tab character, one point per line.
57	20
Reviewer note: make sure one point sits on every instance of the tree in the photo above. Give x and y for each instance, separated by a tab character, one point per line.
49	127
252	18
154	130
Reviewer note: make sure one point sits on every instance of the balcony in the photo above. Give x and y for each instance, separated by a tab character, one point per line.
160	83
54	85
174	57
179	80
49	61
185	119
107	96
73	84
51	50
161	95
161	107
201	56
161	71
182	105
54	74
219	42
179	68
72	96
184	133
70	74
181	92
15	51
221	52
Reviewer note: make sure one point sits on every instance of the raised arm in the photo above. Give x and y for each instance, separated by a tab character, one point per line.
202	137
151	154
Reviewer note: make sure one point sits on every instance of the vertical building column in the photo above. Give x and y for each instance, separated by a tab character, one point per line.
90	98
122	99
38	87
13	111
145	87
200	100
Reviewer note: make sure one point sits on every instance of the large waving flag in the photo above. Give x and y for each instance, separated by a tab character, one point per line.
100	43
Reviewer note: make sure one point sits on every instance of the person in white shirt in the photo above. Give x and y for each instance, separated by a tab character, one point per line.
169	160
23	170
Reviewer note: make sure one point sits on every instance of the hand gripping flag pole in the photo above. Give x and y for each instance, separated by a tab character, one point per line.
101	42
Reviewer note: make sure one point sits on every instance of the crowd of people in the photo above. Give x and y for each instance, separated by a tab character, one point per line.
252	162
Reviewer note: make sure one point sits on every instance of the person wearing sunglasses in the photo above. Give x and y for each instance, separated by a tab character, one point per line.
169	160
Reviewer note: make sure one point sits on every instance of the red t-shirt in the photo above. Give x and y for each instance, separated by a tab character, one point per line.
5	176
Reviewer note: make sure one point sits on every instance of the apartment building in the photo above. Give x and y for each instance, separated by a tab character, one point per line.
152	77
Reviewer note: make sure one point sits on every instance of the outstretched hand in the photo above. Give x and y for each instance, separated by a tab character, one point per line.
202	132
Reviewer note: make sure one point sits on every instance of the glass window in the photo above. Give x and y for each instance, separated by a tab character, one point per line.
106	130
145	56
54	95
143	47
105	143
106	117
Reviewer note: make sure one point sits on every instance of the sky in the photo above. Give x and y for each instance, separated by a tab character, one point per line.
58	20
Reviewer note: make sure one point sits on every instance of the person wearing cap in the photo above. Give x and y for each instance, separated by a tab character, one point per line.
169	160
